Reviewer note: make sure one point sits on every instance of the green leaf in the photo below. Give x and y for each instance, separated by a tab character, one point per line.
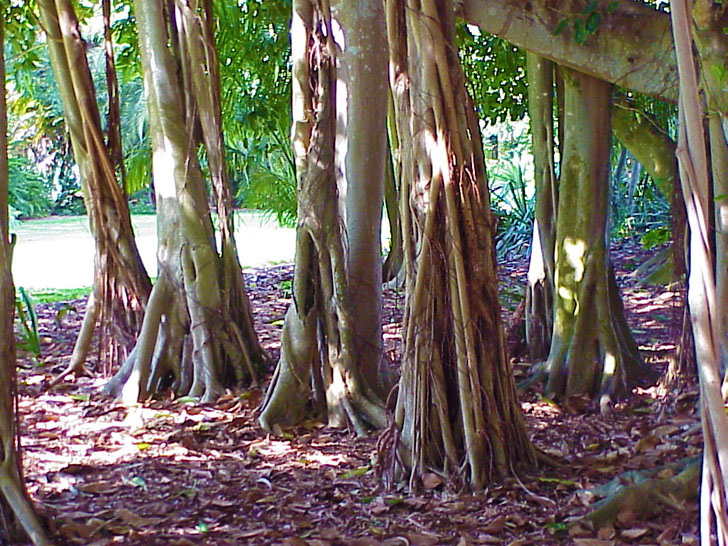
79	397
361	471
569	483
138	481
719	72
593	22
202	527
612	7
561	26
590	7
579	31
143	446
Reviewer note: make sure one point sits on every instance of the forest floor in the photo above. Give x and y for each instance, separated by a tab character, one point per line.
176	472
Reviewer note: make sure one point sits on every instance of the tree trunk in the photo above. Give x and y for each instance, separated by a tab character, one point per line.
539	291
113	125
121	283
710	21
392	267
197	328
457	411
693	162
361	156
592	351
18	515
653	148
632	46
324	369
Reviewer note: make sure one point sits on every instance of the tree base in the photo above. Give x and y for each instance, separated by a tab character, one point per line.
646	495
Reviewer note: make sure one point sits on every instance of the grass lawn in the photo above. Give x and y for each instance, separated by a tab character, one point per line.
58	252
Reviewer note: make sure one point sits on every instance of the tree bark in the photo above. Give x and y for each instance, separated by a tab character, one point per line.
592	351
19	517
323	367
650	145
632	48
392	267
457	411
197	327
361	156
113	125
539	291
121	283
710	20
693	161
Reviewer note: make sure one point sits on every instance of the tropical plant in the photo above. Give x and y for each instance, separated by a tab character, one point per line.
640	210
28	319
266	177
29	193
513	201
254	51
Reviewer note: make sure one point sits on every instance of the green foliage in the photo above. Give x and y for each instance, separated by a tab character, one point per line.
35	120
141	202
644	214
514	205
656	237
60	295
29	195
254	52
29	335
494	74
586	22
266	177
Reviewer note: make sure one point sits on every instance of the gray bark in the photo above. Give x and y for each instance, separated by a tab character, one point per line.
633	47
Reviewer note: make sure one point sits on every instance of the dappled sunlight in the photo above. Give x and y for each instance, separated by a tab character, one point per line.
178	471
575	251
610	364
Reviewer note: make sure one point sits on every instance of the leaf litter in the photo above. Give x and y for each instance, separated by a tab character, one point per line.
177	472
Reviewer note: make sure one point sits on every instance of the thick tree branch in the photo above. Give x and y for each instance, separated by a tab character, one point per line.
632	48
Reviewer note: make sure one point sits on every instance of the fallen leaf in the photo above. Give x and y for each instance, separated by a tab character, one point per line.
633	533
418	539
495	526
135	520
251	533
431	480
98	487
606	533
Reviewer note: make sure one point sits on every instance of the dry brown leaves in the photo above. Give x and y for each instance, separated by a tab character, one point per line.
174	472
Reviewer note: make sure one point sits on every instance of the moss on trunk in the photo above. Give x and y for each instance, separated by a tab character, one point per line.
592	352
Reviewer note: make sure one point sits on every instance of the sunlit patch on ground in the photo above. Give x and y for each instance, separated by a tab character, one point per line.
175	472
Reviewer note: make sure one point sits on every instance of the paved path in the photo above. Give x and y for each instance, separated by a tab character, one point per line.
59	252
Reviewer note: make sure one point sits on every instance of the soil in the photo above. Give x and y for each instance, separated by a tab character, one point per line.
173	471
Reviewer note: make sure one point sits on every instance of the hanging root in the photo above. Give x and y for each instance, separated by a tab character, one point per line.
83	341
